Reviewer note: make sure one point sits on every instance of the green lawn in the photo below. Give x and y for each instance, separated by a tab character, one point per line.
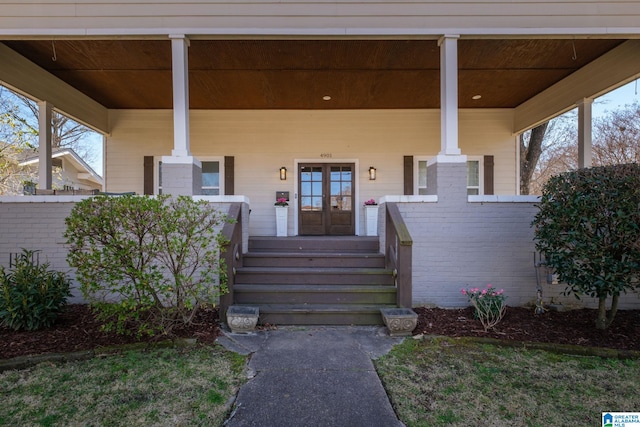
450	382
187	386
430	383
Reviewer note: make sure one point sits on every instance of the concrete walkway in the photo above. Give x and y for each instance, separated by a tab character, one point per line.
312	376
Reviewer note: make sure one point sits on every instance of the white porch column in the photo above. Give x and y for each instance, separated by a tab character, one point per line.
44	145
181	172
584	132
180	72
449	95
447	172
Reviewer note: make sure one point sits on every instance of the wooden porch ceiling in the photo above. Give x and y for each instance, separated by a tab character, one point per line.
297	74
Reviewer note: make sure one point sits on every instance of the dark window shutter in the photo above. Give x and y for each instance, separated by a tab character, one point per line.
408	175
488	175
229	174
148	175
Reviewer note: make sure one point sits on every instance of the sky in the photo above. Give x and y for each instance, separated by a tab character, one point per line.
616	99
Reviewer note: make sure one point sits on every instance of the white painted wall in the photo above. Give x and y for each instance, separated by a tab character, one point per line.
263	141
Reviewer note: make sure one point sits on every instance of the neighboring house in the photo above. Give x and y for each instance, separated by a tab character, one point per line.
302	98
70	172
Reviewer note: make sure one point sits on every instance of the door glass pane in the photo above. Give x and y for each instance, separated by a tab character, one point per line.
335	188
305	203
316	188
316	203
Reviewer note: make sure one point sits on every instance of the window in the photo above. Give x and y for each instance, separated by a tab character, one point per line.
211	178
422	177
475	176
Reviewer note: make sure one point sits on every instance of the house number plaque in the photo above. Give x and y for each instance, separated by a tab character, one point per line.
326	155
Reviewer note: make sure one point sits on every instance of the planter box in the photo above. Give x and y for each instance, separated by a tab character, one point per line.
371	220
282	213
242	320
399	321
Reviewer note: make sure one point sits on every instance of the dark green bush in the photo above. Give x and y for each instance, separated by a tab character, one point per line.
146	264
31	295
588	227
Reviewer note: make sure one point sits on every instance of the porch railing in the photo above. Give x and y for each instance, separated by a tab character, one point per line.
231	254
398	253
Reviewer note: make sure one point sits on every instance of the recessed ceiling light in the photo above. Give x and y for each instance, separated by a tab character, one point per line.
476	97
326	98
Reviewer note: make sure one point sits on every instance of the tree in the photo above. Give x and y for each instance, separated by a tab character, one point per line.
15	139
530	151
587	228
617	137
12	176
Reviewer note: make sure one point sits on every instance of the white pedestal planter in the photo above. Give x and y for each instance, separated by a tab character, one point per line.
371	220
282	213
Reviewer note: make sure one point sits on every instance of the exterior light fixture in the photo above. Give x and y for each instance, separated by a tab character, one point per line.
372	173
283	173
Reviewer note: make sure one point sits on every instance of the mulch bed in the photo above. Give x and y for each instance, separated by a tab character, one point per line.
77	329
573	327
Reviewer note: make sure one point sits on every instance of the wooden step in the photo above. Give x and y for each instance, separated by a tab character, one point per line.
315	280
343	244
320	314
314	294
310	259
314	276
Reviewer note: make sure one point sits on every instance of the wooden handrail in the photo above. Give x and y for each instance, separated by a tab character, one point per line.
398	253
231	253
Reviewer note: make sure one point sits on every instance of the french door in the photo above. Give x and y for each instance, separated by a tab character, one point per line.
326	196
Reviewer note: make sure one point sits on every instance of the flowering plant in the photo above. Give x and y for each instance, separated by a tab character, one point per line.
370	202
488	303
281	202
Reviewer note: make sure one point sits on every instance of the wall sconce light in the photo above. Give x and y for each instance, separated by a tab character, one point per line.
372	173
283	173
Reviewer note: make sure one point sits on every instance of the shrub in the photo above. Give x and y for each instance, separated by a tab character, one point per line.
31	295
588	228
489	305
150	261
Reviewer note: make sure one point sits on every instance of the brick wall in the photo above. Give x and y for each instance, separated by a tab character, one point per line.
455	245
459	246
37	223
37	226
